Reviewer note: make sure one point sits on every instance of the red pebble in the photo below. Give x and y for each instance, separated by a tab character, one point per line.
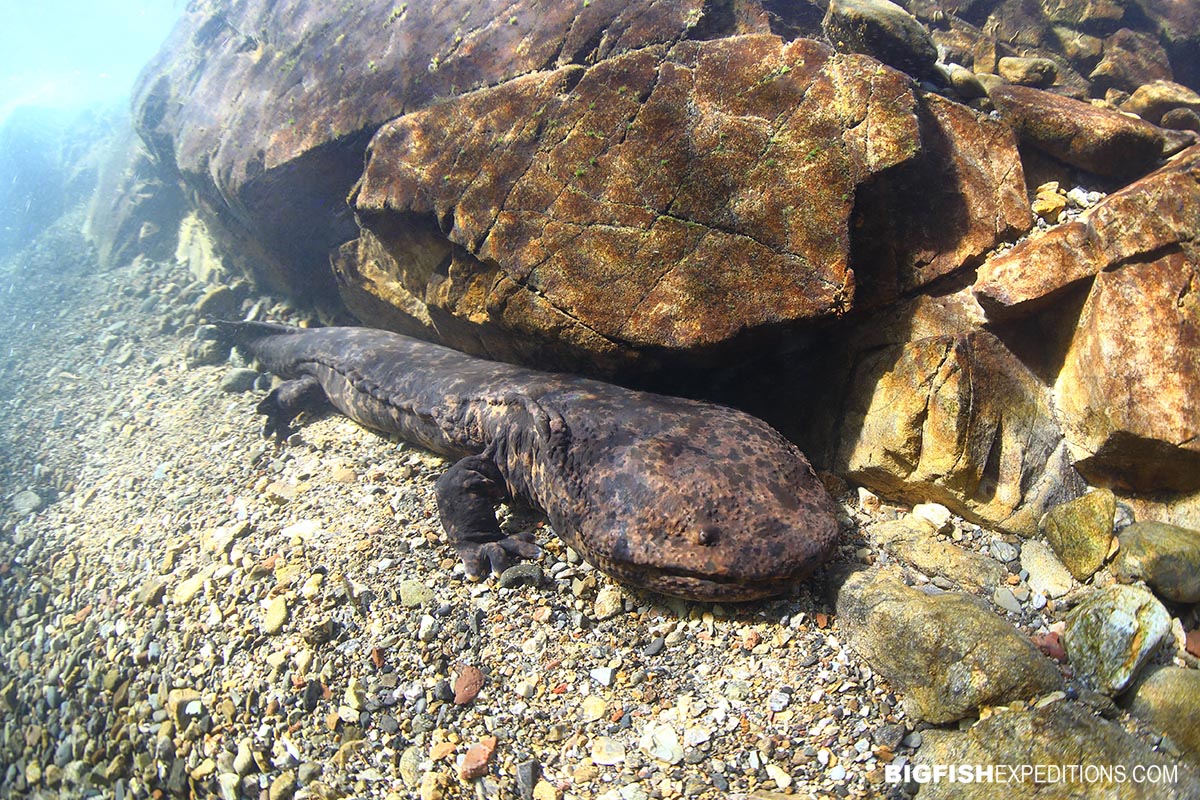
475	762
1050	645
467	685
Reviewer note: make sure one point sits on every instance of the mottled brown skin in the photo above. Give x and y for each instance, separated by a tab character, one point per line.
681	497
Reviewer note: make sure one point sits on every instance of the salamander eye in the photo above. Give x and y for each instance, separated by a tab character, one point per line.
706	535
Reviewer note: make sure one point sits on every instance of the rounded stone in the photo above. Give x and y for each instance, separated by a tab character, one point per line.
607	752
1037	72
27	502
521	575
1166	557
1081	531
276	615
238	380
1112	633
1169	699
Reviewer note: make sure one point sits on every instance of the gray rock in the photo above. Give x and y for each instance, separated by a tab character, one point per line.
219	302
414	593
1003	551
1004	598
521	575
1111	634
1061	734
914	542
1169	699
1047	575
206	353
410	767
27	502
1166	557
238	380
884	30
308	772
948	653
528	772
1081	531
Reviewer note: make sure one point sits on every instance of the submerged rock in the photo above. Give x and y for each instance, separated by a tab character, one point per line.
589	205
916	542
1099	140
1166	557
884	30
1137	420
958	655
1112	634
1168	698
1058	735
27	502
961	420
1081	532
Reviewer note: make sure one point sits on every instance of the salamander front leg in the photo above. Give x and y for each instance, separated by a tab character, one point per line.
467	495
286	401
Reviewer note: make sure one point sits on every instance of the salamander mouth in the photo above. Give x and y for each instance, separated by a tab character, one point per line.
694	586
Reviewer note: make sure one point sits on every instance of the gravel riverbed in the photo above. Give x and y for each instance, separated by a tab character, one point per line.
190	610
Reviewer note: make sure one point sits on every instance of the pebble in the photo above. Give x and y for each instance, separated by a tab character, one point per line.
779	775
414	593
521	575
27	502
607	752
935	514
276	615
656	646
187	590
610	601
283	787
1004	597
475	763
1047	575
1003	551
238	380
467	685
660	741
593	708
602	675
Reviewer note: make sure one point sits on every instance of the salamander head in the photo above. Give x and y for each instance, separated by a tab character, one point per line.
726	510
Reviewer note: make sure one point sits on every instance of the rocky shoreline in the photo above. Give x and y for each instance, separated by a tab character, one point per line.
190	611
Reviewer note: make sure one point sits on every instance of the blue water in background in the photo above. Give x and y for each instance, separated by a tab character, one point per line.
70	54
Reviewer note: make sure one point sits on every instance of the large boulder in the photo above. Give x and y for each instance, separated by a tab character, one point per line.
963	194
648	201
959	419
1129	390
265	107
1156	214
1168	698
1167	557
1100	140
